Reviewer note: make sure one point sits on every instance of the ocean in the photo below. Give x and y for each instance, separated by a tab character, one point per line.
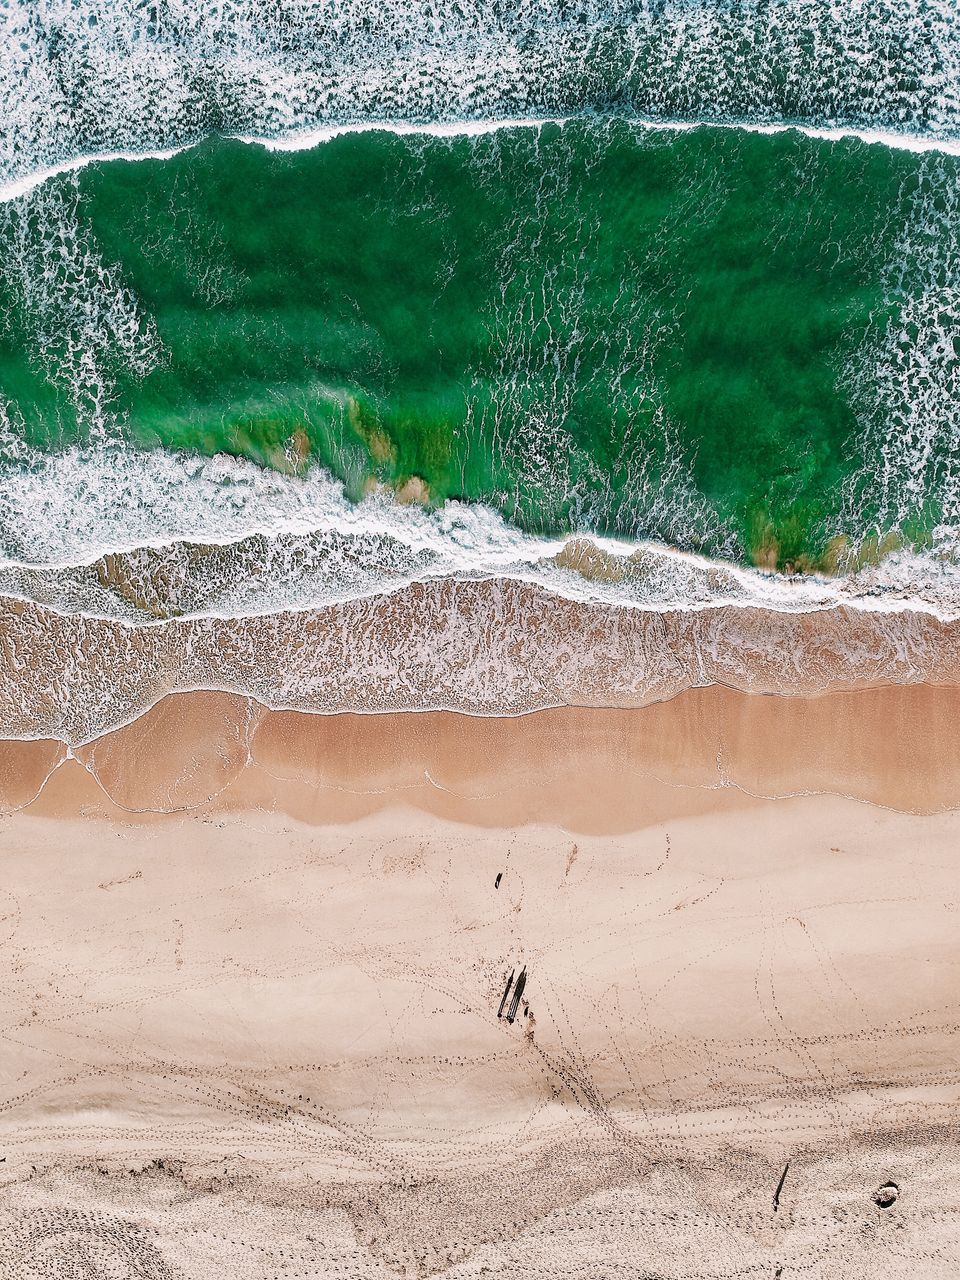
484	357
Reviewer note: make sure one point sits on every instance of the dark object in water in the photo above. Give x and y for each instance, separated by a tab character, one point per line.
506	992
776	1194
518	992
496	883
886	1196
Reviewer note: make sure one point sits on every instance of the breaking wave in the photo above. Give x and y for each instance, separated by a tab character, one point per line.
117	75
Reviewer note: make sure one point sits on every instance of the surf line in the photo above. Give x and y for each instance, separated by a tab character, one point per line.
307	139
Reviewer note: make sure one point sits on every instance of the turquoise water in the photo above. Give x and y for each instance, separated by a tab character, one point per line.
707	337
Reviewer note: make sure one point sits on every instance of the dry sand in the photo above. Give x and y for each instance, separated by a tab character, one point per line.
258	1036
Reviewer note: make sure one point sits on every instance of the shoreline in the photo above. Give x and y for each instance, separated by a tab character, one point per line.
592	770
497	649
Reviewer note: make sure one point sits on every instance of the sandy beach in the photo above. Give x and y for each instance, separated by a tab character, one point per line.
479	640
253	965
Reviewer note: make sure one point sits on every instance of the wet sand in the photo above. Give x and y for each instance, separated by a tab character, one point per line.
586	769
257	1035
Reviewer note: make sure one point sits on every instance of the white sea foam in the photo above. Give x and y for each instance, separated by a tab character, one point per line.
496	647
106	532
84	77
905	380
308	139
24	185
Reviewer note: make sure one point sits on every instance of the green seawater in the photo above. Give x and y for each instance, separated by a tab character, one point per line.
697	337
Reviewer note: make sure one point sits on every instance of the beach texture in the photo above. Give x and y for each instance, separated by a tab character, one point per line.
255	961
